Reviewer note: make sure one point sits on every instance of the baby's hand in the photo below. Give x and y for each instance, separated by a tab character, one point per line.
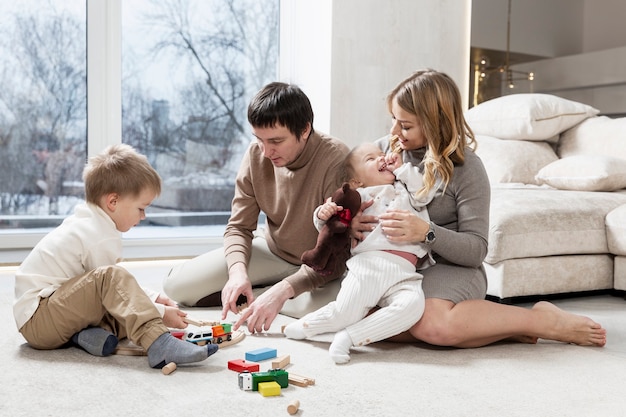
328	210
393	161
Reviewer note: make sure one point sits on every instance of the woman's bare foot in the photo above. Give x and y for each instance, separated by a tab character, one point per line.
532	340
571	328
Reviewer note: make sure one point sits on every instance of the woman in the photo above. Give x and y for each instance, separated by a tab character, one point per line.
427	117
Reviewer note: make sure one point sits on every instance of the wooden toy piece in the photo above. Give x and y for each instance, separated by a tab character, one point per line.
169	368
240	365
281	362
293	407
260	354
300	381
269	389
199	323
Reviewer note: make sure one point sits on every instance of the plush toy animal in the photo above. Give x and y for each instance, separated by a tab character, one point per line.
333	242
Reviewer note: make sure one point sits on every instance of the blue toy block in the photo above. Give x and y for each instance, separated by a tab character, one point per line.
260	354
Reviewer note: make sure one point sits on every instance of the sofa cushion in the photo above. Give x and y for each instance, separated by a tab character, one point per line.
599	135
585	173
549	275
513	160
616	230
530	222
527	116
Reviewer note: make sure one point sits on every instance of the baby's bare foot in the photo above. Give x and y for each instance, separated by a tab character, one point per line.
571	328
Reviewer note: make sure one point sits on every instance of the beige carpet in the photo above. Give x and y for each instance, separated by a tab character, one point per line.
384	379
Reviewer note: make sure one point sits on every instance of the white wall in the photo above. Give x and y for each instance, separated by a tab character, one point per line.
374	44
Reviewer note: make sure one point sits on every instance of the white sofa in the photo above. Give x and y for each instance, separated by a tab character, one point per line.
558	203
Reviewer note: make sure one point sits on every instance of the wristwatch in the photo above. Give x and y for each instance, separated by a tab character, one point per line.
430	235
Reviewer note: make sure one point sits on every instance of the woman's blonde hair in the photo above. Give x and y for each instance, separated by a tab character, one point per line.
119	169
435	99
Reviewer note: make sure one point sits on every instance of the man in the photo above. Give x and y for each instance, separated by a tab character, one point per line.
286	173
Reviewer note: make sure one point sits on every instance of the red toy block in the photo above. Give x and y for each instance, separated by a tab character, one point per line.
241	365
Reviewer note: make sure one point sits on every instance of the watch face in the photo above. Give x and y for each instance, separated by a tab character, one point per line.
430	236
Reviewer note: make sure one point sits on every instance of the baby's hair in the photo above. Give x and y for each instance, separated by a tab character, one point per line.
348	172
119	169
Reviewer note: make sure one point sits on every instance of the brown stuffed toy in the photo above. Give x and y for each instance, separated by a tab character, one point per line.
333	242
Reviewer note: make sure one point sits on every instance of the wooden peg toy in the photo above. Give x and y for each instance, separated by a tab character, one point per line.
169	368
293	407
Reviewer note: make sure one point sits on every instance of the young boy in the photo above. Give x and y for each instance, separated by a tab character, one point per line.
69	288
380	272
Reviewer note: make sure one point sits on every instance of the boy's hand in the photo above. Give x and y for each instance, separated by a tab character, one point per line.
173	318
162	299
328	210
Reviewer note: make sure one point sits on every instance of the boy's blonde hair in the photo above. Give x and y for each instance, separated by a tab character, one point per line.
119	169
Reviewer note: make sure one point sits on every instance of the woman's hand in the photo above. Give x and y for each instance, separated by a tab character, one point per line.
361	223
238	284
402	226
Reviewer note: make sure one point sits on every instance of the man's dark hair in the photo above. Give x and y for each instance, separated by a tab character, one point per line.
281	103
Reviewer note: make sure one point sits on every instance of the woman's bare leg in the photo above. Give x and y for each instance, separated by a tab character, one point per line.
476	323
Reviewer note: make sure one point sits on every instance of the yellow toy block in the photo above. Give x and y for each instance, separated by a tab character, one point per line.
269	389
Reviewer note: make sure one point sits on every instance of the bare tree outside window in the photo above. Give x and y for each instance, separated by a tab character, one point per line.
42	109
189	70
201	62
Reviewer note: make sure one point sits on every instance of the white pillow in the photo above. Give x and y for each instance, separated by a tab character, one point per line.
527	116
513	160
599	135
585	173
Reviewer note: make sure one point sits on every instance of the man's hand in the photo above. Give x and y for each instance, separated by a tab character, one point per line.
238	284
261	313
173	317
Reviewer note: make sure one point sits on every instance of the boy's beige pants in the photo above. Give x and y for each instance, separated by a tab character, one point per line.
107	297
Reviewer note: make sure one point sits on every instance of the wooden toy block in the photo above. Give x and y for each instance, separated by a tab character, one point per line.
240	365
300	381
269	389
260	354
281	362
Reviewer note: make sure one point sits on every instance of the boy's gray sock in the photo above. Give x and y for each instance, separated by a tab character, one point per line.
168	349
96	340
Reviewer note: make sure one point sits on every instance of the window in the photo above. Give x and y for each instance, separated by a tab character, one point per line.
43	100
188	70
